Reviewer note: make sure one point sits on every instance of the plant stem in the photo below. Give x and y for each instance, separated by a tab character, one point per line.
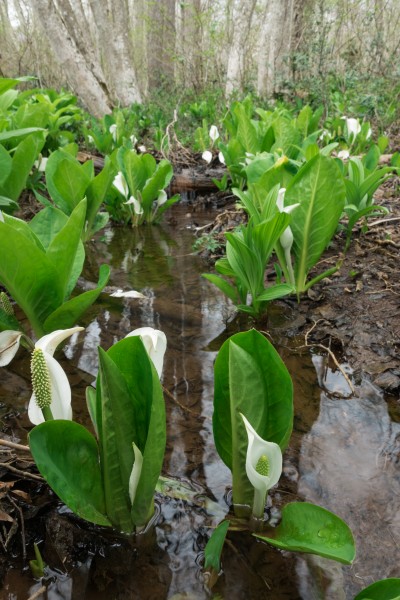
259	503
48	415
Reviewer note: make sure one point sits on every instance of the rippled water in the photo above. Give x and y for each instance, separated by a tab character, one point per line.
344	452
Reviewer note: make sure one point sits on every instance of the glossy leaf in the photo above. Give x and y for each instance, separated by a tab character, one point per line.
46	224
69	313
128	385
319	189
250	378
214	546
66	454
309	528
66	180
23	158
386	589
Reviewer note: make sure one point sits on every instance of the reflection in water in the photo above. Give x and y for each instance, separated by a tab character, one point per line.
349	464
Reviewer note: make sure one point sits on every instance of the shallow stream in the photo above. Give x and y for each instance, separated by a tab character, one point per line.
343	455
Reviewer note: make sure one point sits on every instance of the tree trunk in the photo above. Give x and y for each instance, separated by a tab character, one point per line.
77	71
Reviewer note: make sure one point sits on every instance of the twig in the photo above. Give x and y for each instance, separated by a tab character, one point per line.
21	518
14	445
38	593
329	351
22	473
185	408
383	221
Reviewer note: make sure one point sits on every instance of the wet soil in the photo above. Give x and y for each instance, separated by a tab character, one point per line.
344	452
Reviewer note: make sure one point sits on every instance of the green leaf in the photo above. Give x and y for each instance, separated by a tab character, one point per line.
274	292
213	549
149	418
5	165
17	133
68	314
319	189
309	528
386	589
66	180
24	156
132	410
63	248
250	378
95	194
157	182
116	434
225	287
46	225
29	276
246	132
9	322
66	454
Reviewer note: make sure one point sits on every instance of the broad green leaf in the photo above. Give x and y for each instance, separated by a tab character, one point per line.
386	589
266	234
274	292
46	224
148	413
246	132
287	137
67	456
63	248
319	188
245	263
157	182
213	549
309	528
68	314
7	205
23	158
250	378
5	136
5	165
95	194
91	403
132	410
66	180
29	276
116	434
9	322
222	285
8	83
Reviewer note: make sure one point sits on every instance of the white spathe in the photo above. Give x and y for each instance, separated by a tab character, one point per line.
113	131
353	126
137	207
60	388
136	472
155	342
162	197
214	133
221	158
286	238
257	448
121	184
9	344
207	156
129	294
343	154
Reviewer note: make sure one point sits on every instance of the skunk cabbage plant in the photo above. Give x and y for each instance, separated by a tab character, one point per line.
110	479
